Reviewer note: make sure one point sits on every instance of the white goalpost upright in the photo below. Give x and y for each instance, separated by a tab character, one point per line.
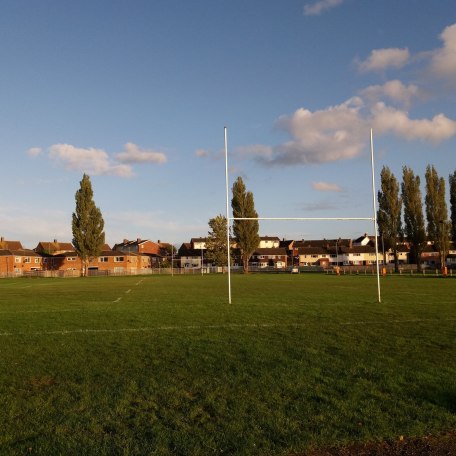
230	219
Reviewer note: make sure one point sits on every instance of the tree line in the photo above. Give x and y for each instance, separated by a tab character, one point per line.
400	215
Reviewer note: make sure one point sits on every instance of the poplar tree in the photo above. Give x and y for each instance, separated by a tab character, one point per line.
216	250
453	205
389	213
245	231
87	225
436	212
413	214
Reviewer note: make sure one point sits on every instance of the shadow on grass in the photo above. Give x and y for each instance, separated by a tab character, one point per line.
443	397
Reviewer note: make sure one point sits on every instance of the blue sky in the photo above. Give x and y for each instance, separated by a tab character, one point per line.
137	94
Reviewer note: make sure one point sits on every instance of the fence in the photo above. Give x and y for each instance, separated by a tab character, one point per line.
409	269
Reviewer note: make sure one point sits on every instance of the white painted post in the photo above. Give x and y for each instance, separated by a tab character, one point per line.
227	218
374	206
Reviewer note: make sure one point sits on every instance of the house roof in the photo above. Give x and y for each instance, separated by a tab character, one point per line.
325	243
312	251
271	251
19	252
199	239
126	242
54	246
269	238
5	244
286	244
362	249
186	250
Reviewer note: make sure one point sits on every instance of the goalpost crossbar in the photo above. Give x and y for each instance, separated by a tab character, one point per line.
301	218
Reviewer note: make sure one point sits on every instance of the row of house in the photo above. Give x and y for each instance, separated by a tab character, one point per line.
276	253
139	256
52	256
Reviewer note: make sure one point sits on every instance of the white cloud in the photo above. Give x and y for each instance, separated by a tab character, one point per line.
332	134
202	153
386	119
341	132
326	187
134	154
34	151
320	6
382	59
443	63
393	90
209	154
92	161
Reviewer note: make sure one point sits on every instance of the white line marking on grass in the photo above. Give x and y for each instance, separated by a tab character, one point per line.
128	291
117	300
65	332
140	282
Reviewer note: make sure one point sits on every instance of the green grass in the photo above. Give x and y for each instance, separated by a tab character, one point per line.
172	369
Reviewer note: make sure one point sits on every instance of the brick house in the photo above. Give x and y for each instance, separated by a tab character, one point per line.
269	257
19	262
139	246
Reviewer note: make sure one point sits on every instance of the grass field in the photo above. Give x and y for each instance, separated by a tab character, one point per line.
163	365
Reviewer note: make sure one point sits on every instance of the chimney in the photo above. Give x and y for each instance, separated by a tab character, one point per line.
125	241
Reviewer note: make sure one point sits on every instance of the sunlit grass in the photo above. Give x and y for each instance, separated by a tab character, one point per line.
164	365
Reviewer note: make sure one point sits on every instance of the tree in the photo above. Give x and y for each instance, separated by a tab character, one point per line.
216	251
245	231
453	205
389	213
436	212
87	225
413	214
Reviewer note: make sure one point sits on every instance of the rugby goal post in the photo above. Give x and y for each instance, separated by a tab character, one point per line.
230	219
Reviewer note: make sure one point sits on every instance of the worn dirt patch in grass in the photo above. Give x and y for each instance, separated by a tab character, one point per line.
432	445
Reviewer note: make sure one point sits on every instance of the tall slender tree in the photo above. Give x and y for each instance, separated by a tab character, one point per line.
87	225
245	231
389	213
216	251
413	214
453	205
437	212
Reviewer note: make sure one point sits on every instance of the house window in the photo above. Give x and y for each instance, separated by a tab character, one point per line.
27	260
103	259
17	259
314	256
37	260
118	259
71	259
